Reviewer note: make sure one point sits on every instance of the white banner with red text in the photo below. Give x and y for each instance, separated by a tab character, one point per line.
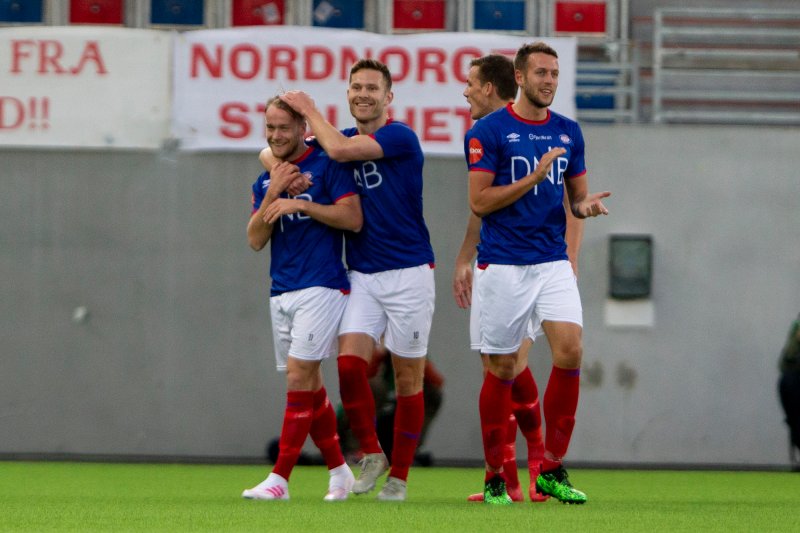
85	87
222	78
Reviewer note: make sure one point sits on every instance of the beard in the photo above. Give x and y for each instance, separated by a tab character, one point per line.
283	150
537	100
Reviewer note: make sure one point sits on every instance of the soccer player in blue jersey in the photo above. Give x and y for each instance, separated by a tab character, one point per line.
520	159
491	86
309	289
391	269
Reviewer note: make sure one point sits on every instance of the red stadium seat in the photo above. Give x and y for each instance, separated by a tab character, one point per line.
258	12
96	11
578	18
420	15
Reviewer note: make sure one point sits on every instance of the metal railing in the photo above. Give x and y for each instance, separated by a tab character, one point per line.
726	65
615	84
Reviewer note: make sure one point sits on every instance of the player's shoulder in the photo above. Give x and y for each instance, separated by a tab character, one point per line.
396	127
349	132
557	119
398	134
262	182
492	123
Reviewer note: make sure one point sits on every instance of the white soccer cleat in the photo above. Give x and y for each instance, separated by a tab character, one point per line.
340	484
275	487
394	490
373	465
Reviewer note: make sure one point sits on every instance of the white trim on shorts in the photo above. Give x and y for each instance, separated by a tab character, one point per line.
305	324
510	296
397	304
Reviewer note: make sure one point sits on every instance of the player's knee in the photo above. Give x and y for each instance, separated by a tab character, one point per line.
503	366
568	356
299	380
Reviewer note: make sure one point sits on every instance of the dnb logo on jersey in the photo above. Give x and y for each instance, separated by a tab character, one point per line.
475	151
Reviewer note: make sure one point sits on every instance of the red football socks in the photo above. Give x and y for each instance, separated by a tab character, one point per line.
495	408
323	430
560	405
525	405
358	402
296	425
408	419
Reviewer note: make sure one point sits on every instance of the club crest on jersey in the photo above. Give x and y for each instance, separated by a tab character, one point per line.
565	138
475	151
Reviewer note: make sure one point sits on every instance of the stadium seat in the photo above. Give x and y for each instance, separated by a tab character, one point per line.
420	15
577	18
258	12
506	15
96	11
177	12
339	13
24	11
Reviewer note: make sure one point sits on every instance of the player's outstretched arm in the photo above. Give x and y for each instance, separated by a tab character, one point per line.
462	277
338	146
583	203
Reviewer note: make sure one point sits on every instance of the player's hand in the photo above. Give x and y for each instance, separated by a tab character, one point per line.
282	175
541	170
592	205
299	185
299	101
462	285
281	206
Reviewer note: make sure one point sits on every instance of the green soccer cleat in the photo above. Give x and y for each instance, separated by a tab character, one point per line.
494	492
556	484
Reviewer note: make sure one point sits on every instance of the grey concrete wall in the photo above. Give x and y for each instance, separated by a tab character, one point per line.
174	356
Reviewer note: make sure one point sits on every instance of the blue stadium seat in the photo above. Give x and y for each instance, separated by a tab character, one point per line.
506	15
177	12
598	78
25	11
339	13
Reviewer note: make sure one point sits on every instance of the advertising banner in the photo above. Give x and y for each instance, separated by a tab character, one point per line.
223	77
84	87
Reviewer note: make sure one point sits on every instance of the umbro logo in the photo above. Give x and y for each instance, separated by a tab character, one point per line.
513	137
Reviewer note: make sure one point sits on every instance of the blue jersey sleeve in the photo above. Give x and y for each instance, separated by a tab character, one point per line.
577	165
259	191
341	181
397	140
481	148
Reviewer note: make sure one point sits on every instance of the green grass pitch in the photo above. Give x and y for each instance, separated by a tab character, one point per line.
62	496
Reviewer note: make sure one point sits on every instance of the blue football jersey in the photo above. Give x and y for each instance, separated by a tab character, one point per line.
531	230
394	234
303	252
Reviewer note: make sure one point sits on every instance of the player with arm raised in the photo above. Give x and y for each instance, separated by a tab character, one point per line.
390	267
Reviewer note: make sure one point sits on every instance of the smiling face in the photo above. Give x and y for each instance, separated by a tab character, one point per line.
368	95
284	133
539	80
